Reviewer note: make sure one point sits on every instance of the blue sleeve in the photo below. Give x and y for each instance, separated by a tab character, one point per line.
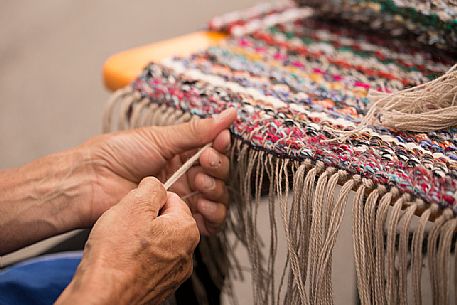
39	281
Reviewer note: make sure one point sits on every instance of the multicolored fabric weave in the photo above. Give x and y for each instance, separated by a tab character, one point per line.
297	82
430	22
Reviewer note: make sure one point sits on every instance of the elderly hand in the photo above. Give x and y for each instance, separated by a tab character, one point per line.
71	189
120	160
138	252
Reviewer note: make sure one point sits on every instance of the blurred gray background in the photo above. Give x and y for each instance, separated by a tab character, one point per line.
51	58
51	90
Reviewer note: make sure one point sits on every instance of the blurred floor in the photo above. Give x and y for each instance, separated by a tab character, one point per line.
51	92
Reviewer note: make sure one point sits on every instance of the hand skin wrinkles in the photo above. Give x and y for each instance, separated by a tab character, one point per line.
141	246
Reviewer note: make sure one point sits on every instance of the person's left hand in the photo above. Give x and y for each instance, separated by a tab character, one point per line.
119	161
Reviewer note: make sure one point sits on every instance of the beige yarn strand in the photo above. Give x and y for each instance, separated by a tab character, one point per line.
418	240
325	255
433	256
443	261
403	250
185	167
381	215
391	280
369	235
427	107
358	245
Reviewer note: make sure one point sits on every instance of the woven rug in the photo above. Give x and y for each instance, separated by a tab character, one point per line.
299	78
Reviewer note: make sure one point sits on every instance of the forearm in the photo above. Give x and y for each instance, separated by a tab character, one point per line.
42	199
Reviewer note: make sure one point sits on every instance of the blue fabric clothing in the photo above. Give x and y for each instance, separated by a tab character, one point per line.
38	281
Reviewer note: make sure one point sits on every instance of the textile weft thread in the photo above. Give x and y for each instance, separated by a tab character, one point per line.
297	82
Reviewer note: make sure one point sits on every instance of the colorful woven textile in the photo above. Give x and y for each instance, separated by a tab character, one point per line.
297	82
429	22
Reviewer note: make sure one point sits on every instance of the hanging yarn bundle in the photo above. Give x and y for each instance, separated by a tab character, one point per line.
298	82
428	107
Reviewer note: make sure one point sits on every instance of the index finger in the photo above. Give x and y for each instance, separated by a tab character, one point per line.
175	205
150	195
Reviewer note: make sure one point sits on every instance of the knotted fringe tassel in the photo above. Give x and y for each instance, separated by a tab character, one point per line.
383	222
427	107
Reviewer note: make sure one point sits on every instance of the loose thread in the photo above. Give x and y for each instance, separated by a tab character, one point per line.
185	167
190	195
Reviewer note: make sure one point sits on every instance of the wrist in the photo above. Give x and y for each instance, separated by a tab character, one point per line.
94	284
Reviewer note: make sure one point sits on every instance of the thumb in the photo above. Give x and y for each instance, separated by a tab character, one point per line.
149	196
183	137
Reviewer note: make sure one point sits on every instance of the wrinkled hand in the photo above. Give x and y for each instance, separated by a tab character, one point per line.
138	252
121	160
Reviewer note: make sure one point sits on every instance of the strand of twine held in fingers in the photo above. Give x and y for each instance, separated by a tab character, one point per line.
184	168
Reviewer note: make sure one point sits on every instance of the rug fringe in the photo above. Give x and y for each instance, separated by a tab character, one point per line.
383	221
404	253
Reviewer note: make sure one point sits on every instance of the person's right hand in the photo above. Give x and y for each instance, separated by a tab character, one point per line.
138	252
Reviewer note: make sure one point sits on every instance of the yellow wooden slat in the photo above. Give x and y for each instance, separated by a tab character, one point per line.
120	69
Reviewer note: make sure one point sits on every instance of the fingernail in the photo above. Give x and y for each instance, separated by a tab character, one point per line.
214	160
208	182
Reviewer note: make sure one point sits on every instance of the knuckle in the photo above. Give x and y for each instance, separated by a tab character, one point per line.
183	267
150	181
156	187
190	269
138	196
194	129
192	235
